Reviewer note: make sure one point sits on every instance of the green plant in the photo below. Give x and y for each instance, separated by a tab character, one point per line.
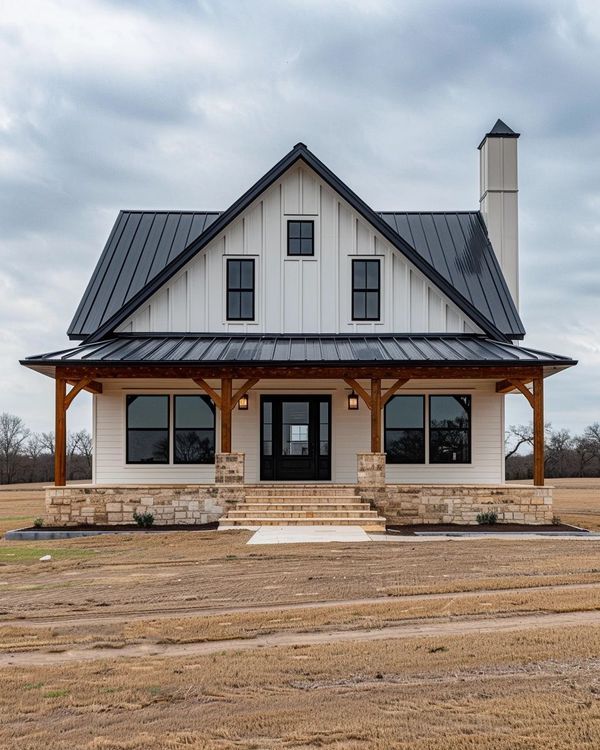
489	517
145	519
556	520
38	522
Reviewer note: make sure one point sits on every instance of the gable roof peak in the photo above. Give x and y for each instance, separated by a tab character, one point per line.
300	146
500	130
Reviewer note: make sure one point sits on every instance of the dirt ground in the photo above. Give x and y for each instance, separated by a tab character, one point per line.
197	640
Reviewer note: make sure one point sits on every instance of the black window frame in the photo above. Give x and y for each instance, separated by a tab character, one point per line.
211	404
312	238
128	398
423	430
468	430
365	289
240	289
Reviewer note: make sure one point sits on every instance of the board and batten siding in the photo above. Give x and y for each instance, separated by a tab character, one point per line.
298	294
350	433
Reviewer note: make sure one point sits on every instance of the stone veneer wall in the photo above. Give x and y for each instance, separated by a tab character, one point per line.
460	503
103	504
170	504
449	503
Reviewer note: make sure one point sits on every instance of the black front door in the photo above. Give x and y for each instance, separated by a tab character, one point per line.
295	437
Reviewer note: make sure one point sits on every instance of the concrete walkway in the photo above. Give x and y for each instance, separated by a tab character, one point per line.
308	534
324	534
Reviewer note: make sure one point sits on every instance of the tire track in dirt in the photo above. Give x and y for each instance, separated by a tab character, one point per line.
68	620
274	640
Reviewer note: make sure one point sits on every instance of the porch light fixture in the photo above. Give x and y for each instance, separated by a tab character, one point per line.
352	401
243	402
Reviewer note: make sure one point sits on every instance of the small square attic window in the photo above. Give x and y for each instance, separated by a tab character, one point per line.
301	238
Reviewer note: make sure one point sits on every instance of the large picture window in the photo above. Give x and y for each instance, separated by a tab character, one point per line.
405	430
194	430
240	289
365	290
147	429
301	238
449	429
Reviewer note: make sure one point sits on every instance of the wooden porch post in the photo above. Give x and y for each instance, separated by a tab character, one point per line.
538	431
375	415
226	395
60	433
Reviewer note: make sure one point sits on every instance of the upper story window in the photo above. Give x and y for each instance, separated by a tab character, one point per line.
449	429
301	238
366	284
240	289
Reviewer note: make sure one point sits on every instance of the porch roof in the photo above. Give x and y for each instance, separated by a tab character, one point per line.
298	350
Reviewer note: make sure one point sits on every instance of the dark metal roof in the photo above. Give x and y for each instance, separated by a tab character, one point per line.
211	349
456	244
500	130
146	248
139	247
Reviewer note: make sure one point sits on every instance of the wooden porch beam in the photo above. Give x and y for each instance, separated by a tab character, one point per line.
250	383
77	388
360	390
226	408
92	387
504	386
60	433
326	371
375	415
524	390
538	432
510	384
211	391
392	390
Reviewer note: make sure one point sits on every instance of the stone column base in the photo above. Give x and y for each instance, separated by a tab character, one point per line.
370	469
229	468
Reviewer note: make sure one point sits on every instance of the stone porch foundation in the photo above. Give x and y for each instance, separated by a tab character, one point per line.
91	505
195	504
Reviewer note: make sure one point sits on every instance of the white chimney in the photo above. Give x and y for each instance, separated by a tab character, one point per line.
498	200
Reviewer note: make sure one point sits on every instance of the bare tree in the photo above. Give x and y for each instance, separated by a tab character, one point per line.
592	435
522	434
83	446
13	435
34	448
518	435
583	449
47	439
558	445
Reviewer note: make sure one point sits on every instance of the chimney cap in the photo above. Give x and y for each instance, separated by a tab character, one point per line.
500	130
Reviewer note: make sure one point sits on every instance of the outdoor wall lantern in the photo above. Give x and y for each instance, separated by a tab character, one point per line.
352	401
243	403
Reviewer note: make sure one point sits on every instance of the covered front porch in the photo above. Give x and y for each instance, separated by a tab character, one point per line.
308	412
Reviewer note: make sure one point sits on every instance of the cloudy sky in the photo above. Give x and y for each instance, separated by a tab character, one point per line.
166	104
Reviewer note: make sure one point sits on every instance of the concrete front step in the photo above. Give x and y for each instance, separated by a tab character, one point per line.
279	491
375	524
294	507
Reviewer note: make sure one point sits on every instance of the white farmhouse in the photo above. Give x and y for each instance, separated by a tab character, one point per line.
302	358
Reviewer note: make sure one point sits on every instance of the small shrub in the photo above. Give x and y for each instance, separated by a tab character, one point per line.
556	521
145	519
38	522
489	517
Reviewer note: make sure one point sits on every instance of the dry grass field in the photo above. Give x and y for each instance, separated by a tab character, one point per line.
196	640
